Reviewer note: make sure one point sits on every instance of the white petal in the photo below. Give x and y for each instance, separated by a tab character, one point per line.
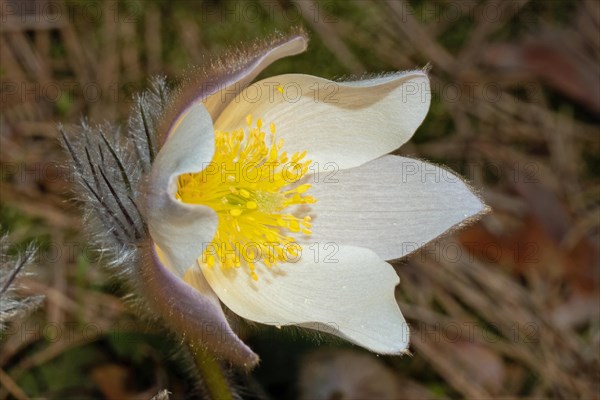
340	124
346	291
392	205
180	230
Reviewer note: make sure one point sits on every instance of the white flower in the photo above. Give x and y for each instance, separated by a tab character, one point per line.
279	200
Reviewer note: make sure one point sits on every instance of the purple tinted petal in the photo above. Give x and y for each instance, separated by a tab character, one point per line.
218	85
191	314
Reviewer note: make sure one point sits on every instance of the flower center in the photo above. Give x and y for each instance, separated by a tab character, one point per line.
249	184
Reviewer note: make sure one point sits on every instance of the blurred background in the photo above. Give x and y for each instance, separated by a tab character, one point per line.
506	308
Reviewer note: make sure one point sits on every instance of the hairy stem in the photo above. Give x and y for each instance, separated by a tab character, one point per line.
211	370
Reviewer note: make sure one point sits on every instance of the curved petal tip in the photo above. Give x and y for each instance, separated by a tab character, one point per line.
193	315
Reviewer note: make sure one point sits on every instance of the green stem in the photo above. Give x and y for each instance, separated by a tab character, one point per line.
212	373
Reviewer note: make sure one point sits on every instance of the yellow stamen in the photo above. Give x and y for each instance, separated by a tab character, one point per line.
249	184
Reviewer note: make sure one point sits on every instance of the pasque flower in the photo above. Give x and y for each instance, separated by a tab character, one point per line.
278	200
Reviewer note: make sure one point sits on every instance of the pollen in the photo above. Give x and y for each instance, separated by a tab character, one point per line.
251	183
